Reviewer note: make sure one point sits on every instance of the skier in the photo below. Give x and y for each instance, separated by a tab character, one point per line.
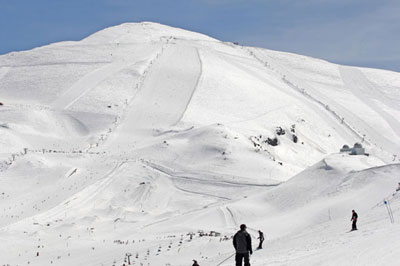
242	244
261	237
195	263
398	188
354	218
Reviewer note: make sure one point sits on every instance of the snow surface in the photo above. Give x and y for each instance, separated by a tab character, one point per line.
140	134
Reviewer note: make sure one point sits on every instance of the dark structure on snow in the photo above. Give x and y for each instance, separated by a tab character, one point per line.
356	150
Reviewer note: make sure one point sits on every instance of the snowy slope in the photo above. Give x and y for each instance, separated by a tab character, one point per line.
128	140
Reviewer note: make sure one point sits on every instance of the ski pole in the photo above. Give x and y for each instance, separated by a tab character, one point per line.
391	212
226	259
387	207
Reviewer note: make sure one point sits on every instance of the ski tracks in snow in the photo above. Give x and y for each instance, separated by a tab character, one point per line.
229	217
188	176
175	177
81	198
360	86
85	84
302	94
91	80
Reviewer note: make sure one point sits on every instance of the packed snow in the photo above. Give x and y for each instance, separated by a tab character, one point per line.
150	145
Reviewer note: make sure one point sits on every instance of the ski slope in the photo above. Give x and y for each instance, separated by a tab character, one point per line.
141	139
167	90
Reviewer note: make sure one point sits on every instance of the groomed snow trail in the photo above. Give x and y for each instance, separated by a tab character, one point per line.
360	86
166	91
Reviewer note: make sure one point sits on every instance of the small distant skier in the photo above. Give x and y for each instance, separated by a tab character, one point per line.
242	244
398	188
354	218
261	237
195	263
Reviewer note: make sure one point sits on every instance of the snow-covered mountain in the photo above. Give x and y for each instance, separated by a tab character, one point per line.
128	140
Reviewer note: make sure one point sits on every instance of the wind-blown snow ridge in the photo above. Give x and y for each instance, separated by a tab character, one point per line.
134	140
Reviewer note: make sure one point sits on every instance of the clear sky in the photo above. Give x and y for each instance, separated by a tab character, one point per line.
354	32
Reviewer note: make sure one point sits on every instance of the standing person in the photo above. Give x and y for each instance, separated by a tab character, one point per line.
195	263
354	218
261	237
242	244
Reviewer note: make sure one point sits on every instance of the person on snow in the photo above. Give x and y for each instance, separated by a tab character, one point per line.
242	244
354	218
398	188
261	237
195	263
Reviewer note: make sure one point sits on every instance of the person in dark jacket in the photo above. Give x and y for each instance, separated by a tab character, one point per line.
195	263
242	244
261	237
354	218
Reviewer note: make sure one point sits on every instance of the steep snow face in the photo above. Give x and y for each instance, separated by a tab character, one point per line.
137	136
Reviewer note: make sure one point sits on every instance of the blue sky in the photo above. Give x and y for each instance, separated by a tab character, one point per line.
354	32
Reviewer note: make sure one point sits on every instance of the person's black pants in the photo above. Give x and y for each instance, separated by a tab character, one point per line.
240	256
260	246
354	225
